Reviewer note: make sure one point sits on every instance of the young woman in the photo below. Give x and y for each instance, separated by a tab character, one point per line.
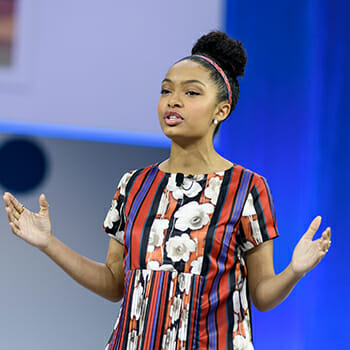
191	237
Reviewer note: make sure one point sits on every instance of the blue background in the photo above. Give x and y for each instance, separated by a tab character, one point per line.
292	125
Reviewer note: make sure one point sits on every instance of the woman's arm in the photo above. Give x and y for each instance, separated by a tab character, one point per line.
106	280
267	289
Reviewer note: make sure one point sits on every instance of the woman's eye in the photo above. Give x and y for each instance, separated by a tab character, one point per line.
192	93
164	91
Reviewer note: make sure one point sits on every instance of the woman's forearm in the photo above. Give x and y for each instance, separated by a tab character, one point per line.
272	290
97	277
268	289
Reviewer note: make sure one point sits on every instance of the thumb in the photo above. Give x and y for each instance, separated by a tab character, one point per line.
44	205
315	224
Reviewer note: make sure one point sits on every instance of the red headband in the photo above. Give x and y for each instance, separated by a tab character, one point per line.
222	73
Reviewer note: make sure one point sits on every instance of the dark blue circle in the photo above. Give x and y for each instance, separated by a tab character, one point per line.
23	165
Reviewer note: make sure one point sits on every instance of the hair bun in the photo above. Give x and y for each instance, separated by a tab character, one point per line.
228	53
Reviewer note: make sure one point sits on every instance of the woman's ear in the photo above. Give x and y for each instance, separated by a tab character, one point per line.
222	111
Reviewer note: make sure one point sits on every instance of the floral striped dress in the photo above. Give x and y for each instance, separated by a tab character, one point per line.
184	257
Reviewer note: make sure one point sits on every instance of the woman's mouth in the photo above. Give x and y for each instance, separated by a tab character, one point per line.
172	118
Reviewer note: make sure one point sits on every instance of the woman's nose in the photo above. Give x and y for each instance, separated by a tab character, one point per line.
174	100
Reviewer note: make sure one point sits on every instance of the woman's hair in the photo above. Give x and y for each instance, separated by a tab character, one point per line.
229	55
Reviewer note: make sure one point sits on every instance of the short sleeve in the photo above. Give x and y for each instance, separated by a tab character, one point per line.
115	219
258	219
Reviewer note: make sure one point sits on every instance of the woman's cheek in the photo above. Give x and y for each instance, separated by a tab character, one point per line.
160	109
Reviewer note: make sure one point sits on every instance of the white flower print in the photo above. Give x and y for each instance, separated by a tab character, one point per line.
197	266
137	277
124	181
193	216
197	177
132	340
145	275
246	327
189	187
155	266
243	295
184	324
179	247
213	190
249	211
167	267
175	309
156	236
171	289
248	245
236	302
184	281
112	216
241	343
119	236
143	316
163	204
137	301
169	339
235	324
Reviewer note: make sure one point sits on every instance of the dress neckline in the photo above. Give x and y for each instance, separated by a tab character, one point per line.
192	175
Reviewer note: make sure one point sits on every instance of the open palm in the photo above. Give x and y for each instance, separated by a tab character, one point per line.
34	228
308	253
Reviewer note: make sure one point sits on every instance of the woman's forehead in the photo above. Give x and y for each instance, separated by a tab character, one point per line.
188	70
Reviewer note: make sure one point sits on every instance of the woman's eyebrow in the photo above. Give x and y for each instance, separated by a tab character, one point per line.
166	80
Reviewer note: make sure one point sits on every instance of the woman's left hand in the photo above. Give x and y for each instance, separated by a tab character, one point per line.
308	253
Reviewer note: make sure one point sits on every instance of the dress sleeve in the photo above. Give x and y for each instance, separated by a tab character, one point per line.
115	219
258	220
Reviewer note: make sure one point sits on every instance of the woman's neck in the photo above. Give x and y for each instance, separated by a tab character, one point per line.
194	159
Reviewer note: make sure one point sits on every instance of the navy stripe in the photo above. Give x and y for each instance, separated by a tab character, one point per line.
260	213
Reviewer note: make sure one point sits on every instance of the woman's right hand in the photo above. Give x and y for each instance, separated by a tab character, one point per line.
34	228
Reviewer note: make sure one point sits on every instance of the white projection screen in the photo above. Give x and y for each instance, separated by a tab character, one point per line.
93	69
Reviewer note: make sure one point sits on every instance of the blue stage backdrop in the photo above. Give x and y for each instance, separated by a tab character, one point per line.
292	125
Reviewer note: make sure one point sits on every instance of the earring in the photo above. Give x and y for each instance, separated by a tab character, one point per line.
215	121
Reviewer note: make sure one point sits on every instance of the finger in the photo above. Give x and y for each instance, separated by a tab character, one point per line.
7	199
15	224
315	224
326	236
44	205
324	245
12	200
11	215
322	254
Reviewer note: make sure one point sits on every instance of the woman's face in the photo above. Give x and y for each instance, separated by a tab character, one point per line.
188	103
